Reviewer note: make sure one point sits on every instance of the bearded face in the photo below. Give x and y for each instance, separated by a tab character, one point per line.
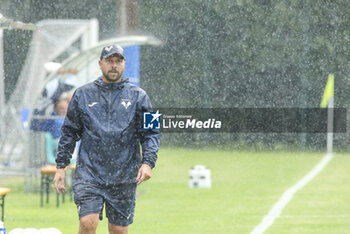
112	68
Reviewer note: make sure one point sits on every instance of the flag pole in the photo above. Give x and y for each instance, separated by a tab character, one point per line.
328	102
330	124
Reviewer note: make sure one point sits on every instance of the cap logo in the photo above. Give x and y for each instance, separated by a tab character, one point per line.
108	48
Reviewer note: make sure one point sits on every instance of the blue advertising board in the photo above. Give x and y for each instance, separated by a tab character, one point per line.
132	67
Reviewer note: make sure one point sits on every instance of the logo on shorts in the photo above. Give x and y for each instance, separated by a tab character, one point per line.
151	120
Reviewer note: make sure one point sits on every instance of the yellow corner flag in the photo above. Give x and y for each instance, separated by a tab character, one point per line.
328	91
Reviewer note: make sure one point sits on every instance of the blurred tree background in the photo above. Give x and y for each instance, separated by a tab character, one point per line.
220	53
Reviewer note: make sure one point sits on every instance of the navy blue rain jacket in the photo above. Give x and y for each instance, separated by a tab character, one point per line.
108	120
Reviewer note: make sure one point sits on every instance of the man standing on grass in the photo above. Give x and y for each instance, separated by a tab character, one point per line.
106	115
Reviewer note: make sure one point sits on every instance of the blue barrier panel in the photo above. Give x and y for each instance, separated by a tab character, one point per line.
132	68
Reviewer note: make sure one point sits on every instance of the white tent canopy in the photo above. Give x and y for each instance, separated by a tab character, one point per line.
86	61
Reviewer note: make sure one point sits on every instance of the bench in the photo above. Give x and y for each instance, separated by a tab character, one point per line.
3	192
47	173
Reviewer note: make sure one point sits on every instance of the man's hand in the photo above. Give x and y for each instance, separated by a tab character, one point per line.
59	180
145	173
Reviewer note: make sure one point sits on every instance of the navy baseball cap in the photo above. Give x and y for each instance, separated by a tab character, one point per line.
110	50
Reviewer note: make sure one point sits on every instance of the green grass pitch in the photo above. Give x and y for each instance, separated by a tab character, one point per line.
245	185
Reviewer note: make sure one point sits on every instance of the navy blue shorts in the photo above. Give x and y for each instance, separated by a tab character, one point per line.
119	199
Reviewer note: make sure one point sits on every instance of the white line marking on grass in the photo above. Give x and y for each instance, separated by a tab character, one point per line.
288	194
314	216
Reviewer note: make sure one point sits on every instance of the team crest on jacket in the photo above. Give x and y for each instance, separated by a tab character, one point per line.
126	103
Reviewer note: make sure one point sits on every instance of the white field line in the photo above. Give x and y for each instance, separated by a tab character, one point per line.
314	216
275	211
